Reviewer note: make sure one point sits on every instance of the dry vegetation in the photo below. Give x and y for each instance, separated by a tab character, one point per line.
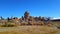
28	30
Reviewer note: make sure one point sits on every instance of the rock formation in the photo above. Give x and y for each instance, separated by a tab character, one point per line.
27	20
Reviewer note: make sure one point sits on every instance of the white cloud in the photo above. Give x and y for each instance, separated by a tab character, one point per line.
57	18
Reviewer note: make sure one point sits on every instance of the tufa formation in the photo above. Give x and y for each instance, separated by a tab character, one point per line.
25	20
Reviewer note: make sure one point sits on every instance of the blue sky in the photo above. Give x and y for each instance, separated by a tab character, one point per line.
48	8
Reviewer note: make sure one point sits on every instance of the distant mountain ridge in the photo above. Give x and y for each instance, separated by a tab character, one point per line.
55	20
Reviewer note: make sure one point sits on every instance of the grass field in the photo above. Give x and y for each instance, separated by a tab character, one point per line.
29	30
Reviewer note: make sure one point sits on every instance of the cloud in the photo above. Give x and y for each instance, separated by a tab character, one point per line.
57	18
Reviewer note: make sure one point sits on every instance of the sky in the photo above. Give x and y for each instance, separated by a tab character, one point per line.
47	8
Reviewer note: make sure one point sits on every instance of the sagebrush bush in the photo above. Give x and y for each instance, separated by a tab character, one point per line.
8	25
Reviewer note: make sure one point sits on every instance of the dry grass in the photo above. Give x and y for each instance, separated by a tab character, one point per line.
28	30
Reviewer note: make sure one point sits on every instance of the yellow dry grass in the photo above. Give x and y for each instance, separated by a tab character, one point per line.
28	30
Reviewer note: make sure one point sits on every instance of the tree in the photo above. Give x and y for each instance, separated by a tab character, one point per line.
43	19
1	18
40	18
8	19
15	18
48	19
